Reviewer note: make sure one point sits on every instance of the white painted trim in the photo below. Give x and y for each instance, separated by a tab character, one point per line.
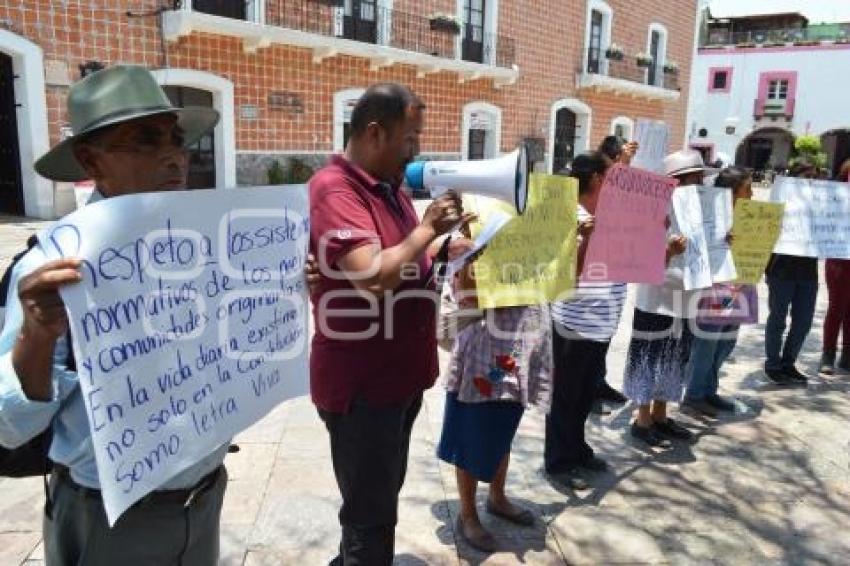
607	26
340	99
495	112
225	132
626	87
659	65
626	122
693	100
583	114
33	132
180	23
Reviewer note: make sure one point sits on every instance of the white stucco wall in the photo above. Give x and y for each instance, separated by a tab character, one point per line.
821	98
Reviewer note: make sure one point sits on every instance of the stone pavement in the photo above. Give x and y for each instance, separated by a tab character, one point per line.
770	485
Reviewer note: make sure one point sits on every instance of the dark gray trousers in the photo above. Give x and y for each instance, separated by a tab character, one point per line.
369	447
164	533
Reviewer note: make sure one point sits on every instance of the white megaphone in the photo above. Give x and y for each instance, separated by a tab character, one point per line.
504	178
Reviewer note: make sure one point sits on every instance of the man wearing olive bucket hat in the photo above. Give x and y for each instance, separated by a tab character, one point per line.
128	138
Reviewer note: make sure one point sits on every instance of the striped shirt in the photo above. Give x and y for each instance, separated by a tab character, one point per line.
594	311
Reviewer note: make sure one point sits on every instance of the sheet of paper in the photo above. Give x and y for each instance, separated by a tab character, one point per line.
652	137
496	221
687	221
817	218
756	226
716	204
189	325
532	259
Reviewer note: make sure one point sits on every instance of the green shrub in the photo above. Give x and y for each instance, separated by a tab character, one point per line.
296	172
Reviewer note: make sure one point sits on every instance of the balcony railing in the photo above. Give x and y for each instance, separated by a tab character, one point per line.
774	108
627	68
383	26
812	35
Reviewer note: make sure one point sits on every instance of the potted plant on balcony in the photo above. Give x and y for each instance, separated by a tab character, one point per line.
644	59
671	67
614	52
444	22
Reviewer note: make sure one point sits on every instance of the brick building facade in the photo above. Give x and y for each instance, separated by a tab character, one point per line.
285	73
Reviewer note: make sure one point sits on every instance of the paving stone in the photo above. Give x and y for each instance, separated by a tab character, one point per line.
16	547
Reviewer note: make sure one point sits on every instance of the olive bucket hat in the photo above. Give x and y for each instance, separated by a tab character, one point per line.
112	96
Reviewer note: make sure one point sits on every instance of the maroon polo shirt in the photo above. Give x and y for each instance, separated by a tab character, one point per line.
384	350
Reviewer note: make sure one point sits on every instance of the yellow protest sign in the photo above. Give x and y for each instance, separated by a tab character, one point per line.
756	226
532	260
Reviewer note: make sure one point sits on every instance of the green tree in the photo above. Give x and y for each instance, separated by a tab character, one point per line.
808	148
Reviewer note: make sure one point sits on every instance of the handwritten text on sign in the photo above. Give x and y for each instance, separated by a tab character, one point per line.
629	237
756	227
688	221
817	218
532	259
190	324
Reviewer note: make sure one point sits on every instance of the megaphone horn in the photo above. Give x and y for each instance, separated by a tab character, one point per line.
504	178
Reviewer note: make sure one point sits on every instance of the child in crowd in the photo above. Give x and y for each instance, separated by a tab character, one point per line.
500	364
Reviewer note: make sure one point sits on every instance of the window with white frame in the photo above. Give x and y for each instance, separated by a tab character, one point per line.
622	127
478	37
597	36
482	130
657	49
344	102
777	89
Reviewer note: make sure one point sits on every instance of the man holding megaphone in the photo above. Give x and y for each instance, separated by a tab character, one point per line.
375	347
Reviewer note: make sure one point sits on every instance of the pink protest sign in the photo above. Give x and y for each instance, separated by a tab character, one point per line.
630	235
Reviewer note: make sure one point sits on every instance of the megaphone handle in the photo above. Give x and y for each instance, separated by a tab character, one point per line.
441	261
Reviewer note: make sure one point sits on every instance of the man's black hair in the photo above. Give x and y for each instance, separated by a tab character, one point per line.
385	103
612	146
732	177
584	166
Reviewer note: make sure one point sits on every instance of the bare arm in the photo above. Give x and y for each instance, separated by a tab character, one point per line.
375	271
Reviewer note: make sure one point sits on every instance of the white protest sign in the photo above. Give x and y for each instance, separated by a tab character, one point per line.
687	221
190	323
652	138
817	218
496	222
716	204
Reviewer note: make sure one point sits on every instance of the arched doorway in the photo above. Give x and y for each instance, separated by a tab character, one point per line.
201	153
565	139
11	185
212	160
23	128
569	132
767	149
836	144
481	130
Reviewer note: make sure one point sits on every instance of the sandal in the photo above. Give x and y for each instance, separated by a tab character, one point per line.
483	542
522	517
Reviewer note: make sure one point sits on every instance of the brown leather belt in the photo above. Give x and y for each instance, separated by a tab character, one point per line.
185	497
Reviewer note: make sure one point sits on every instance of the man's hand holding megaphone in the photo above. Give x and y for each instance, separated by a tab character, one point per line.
445	214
